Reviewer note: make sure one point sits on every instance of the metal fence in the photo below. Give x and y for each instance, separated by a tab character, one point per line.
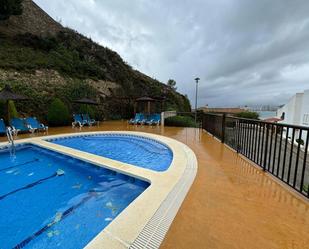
280	149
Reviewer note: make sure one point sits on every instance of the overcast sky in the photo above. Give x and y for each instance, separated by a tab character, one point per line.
246	52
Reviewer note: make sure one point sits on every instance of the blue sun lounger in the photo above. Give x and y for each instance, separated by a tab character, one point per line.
78	120
142	120
2	127
154	119
35	124
20	125
88	120
138	118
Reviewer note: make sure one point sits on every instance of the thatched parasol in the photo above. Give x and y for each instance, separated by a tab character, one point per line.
7	94
147	100
86	101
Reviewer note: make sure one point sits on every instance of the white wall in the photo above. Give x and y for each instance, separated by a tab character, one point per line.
296	113
295	109
304	110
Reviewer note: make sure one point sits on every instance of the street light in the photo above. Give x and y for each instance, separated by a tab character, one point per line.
196	79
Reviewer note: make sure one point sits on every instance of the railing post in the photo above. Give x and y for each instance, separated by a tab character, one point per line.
223	128
266	147
203	121
237	136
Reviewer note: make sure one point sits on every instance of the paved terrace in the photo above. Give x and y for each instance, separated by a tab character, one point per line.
232	203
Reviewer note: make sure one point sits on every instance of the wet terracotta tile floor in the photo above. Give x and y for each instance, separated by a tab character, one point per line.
231	204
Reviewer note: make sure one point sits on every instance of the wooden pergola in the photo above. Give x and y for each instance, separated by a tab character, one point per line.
146	102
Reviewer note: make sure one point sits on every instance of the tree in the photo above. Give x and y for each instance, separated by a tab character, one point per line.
58	113
172	84
12	110
9	8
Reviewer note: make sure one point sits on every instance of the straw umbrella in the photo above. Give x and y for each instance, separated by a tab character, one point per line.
86	102
7	94
147	100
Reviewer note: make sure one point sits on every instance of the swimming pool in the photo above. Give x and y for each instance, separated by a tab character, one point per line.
49	200
136	150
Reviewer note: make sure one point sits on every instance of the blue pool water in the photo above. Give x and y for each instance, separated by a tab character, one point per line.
48	200
139	151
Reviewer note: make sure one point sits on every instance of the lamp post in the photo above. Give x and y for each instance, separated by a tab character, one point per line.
196	88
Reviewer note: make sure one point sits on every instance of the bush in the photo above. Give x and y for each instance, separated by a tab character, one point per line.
306	188
12	110
58	113
87	109
180	121
247	114
11	107
36	42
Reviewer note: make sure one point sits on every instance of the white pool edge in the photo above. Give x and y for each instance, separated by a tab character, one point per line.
156	229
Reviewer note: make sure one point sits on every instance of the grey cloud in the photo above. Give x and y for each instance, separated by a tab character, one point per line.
244	51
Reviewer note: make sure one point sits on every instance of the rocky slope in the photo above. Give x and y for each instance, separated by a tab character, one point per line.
42	59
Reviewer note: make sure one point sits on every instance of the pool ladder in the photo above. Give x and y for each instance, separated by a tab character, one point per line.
9	134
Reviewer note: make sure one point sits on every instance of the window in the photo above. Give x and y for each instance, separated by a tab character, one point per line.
306	119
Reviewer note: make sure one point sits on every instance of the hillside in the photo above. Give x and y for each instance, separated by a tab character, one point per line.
43	60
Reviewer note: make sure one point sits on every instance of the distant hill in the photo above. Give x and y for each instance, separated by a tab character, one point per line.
43	60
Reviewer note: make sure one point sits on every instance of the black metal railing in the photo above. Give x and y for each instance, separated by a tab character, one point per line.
280	149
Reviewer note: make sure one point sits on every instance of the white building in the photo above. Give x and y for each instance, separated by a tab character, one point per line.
296	111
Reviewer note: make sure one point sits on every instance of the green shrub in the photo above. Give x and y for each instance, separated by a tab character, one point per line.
180	121
12	110
36	42
58	113
87	109
247	114
306	188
